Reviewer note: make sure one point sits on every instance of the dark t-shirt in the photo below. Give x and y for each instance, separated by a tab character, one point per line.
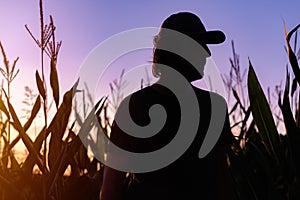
188	177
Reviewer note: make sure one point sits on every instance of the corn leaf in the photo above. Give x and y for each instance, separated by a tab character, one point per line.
15	166
234	108
54	175
34	112
30	161
54	82
285	107
292	57
293	132
40	85
263	116
294	87
58	128
4	157
26	140
74	146
3	108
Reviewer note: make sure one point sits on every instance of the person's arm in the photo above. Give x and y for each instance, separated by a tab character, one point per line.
113	184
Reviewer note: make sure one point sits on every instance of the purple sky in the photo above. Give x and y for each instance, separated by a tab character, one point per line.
255	26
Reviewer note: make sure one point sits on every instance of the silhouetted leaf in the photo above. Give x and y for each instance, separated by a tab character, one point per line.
236	96
40	85
263	116
13	67
54	82
13	162
285	107
4	156
292	130
294	86
291	54
3	108
59	124
34	112
30	160
12	74
74	146
244	124
14	142
3	72
26	140
234	108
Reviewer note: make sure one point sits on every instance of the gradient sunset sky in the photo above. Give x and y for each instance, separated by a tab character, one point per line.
255	26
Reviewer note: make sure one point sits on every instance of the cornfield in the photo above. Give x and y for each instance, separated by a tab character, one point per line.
263	161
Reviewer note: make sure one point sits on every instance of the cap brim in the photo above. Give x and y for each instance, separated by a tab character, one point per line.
212	37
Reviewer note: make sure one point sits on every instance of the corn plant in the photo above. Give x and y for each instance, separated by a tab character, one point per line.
267	165
57	145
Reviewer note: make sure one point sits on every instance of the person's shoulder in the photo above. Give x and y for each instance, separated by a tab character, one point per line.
141	93
209	93
137	96
213	96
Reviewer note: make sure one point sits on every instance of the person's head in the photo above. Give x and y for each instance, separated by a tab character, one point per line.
182	45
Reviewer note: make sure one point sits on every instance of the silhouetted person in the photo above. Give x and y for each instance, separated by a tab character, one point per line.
189	177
